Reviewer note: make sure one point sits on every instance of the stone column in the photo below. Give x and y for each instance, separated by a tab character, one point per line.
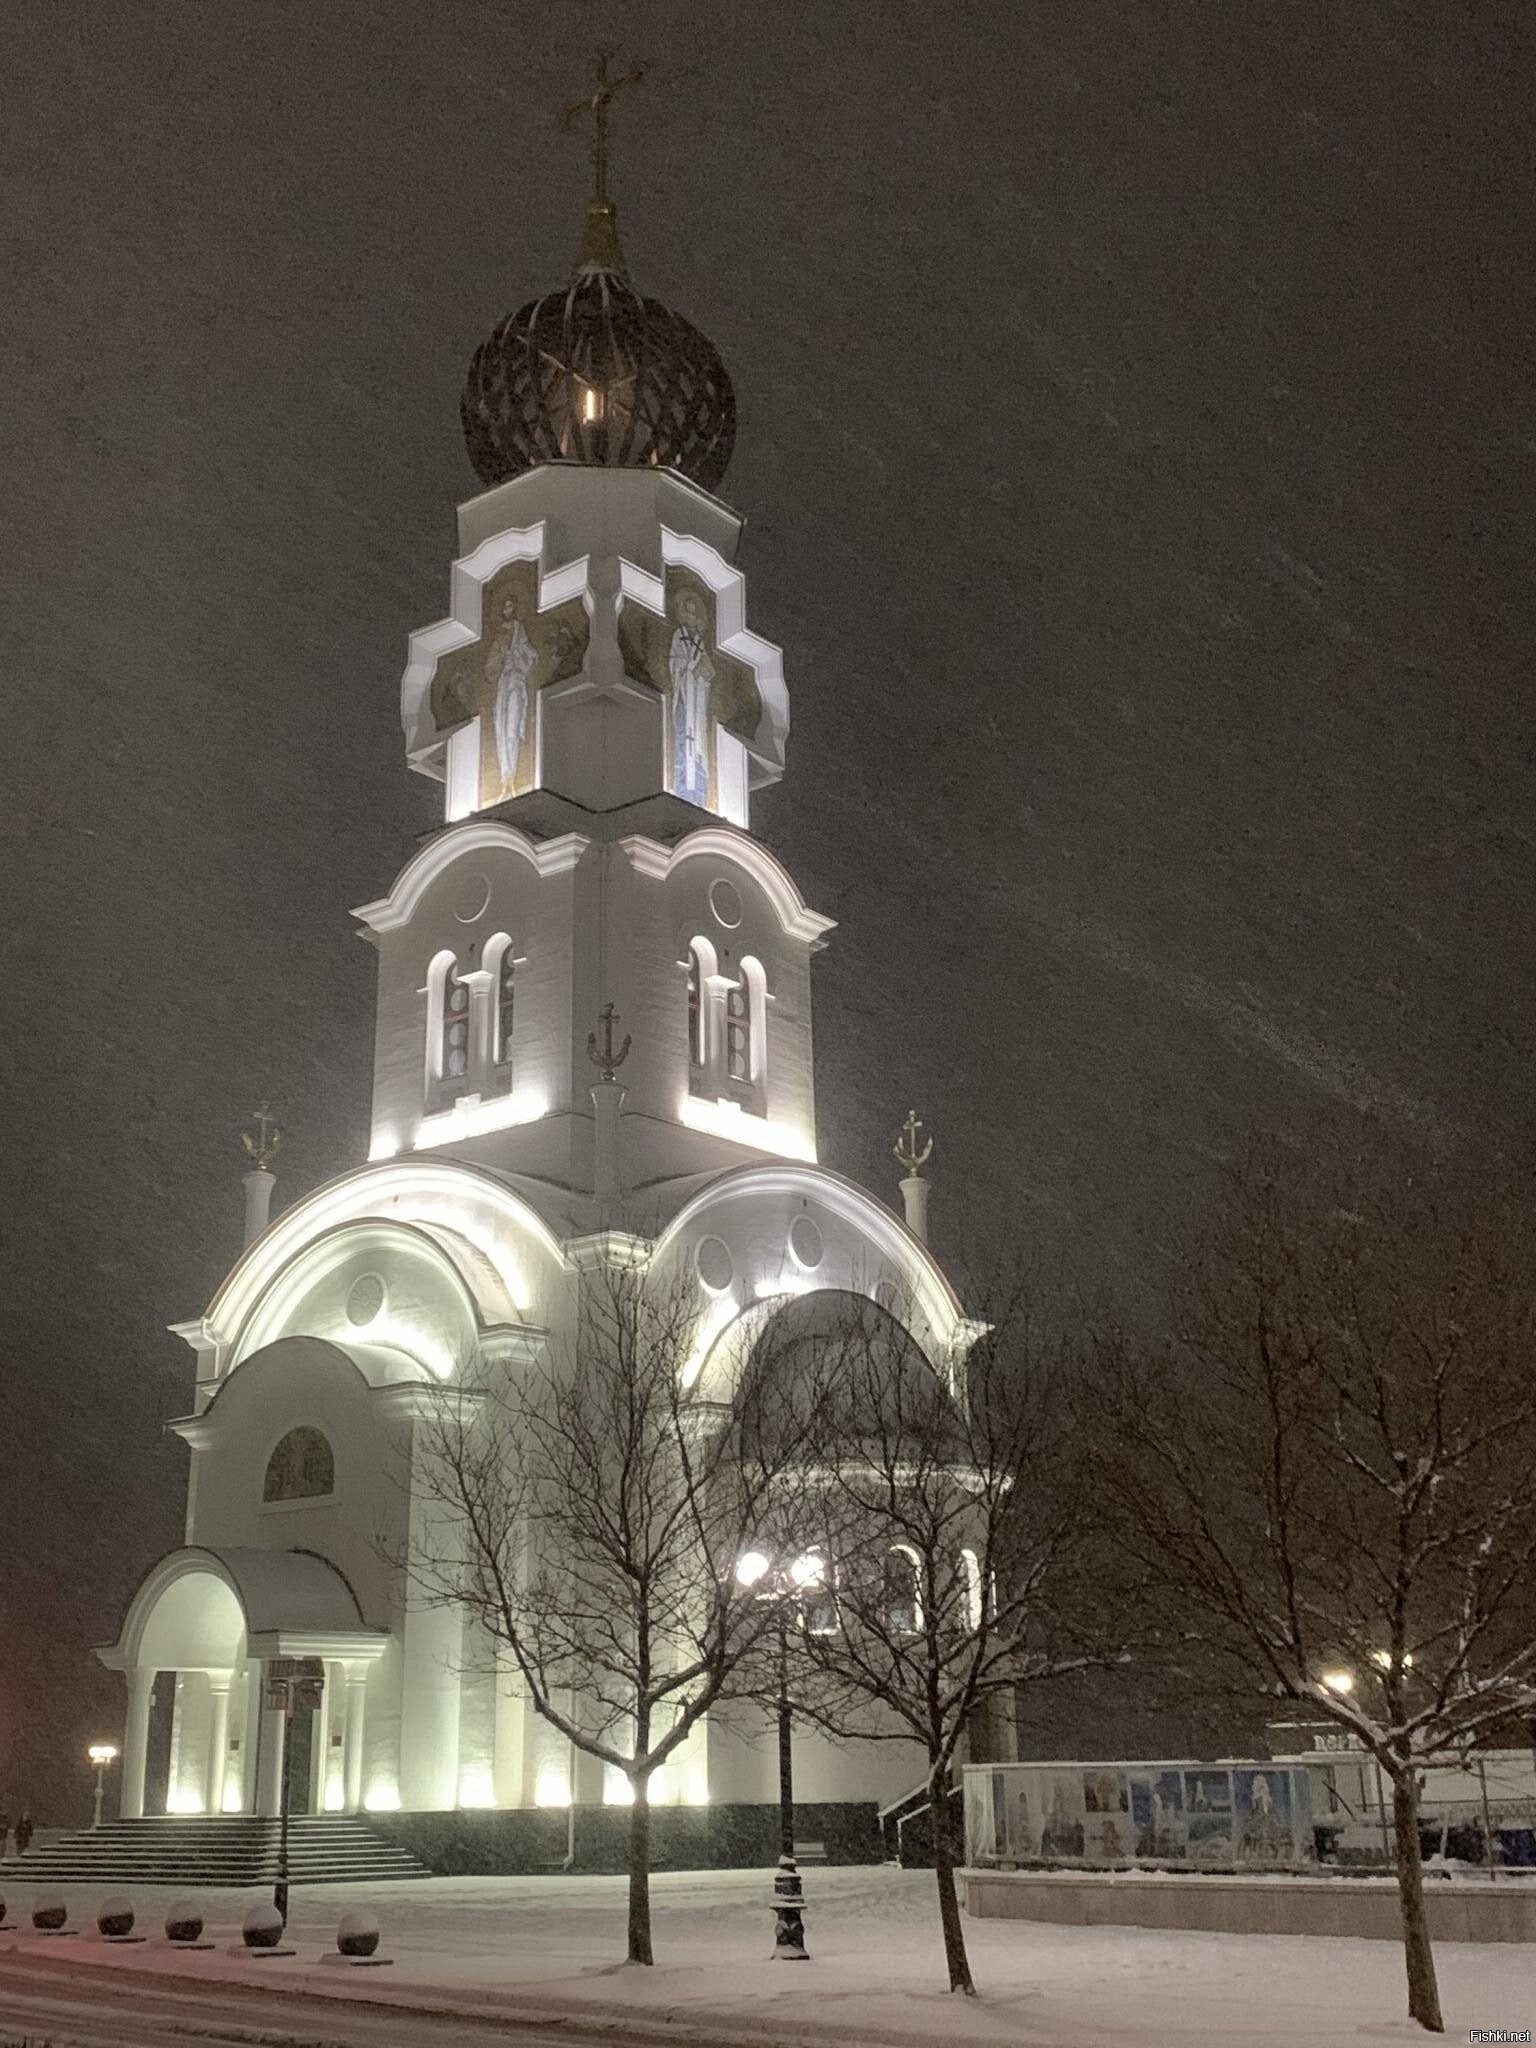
218	1740
141	1685
255	1678
607	1101
914	1194
269	1762
258	1185
352	1752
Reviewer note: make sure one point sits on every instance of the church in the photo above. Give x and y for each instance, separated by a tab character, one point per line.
593	1044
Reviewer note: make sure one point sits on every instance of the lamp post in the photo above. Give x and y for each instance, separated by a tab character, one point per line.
779	1582
101	1754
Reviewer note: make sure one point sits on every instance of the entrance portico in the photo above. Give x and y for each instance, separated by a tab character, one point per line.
206	1621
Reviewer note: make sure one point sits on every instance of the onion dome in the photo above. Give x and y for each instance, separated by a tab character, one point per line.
598	374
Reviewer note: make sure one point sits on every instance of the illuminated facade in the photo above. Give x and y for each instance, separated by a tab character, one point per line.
597	714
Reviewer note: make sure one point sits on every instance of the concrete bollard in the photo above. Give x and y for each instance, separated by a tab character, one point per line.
50	1915
261	1931
357	1941
114	1920
184	1925
789	1911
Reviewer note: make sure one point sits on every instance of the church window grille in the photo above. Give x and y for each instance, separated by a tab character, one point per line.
738	1034
455	1059
506	993
902	1599
302	1467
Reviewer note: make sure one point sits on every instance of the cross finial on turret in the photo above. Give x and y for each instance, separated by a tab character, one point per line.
604	1056
262	1138
906	1148
596	104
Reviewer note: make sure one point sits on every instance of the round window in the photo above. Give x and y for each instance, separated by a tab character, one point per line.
714	1265
470	897
725	902
805	1243
365	1300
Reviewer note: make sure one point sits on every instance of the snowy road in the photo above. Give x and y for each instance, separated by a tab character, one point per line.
73	2005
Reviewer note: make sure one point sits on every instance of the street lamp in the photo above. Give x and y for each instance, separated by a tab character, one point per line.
799	1576
101	1754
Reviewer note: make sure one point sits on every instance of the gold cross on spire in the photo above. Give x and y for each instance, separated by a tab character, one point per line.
262	1137
596	104
604	1056
906	1146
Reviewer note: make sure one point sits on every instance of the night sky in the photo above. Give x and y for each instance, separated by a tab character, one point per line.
1136	442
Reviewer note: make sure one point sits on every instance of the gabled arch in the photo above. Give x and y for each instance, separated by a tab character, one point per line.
493	1237
657	862
266	1594
939	1323
475	835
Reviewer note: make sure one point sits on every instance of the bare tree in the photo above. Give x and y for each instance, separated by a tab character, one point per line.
1327	1475
957	1548
591	1512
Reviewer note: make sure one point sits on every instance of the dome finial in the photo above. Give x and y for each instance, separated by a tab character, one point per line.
600	248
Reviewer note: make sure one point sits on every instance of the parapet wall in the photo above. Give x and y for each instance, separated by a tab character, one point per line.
1362	1907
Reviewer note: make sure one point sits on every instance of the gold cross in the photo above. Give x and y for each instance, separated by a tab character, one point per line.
597	104
906	1148
604	1057
262	1137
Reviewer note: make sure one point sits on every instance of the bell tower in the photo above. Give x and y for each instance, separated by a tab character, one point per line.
598	714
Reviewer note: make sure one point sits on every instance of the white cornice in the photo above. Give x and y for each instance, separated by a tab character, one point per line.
649	857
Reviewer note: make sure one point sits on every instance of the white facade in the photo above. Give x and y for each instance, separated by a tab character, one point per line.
596	662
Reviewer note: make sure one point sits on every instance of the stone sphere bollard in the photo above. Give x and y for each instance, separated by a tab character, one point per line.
114	1918
184	1922
262	1926
50	1914
357	1934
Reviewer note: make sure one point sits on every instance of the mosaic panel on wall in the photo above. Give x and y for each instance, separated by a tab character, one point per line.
497	678
680	657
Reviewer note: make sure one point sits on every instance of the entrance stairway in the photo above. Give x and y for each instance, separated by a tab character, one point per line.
234	1851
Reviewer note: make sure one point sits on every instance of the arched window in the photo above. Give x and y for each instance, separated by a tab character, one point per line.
302	1466
754	1011
701	977
970	1580
901	1595
506	975
453	1063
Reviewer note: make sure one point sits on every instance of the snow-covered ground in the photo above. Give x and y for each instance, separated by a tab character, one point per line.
876	1976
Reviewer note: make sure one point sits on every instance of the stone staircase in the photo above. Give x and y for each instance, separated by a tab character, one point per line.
230	1852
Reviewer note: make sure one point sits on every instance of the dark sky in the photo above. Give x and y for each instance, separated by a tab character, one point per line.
1136	441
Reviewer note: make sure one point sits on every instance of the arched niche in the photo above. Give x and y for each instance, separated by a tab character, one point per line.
402	1300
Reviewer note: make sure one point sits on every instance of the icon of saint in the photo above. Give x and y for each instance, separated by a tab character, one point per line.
509	663
693	677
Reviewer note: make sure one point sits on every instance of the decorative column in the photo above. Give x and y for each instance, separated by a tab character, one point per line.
352	1752
218	1741
914	1189
250	1733
608	1094
261	1139
141	1686
269	1760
